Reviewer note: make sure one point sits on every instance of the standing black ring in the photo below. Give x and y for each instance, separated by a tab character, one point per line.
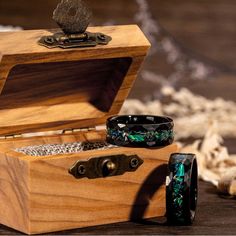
140	131
181	189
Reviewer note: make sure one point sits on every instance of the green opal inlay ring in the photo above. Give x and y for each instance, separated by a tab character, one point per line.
140	131
181	189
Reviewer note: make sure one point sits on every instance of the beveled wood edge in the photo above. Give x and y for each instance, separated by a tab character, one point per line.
4	72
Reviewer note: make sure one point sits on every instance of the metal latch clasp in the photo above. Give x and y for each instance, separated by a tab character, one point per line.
73	17
64	41
106	166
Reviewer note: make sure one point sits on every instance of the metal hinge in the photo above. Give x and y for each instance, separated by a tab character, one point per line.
72	131
13	136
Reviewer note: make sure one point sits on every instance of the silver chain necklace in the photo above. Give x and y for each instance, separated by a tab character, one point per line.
66	148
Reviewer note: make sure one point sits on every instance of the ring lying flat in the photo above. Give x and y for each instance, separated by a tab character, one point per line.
182	189
140	131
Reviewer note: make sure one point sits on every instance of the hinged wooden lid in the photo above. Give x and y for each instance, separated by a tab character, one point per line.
51	89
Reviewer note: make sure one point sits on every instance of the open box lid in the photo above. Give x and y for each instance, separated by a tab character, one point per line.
45	89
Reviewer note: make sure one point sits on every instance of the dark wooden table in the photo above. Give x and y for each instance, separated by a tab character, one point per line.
216	216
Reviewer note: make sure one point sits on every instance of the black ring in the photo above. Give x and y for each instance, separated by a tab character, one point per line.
182	189
140	131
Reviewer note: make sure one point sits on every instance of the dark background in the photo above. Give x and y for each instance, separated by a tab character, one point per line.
203	29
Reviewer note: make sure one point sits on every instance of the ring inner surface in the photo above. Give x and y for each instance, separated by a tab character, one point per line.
141	120
193	188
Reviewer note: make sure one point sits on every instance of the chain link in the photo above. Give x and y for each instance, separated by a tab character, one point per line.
66	148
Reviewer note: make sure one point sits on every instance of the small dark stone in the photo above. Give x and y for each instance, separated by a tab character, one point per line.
72	16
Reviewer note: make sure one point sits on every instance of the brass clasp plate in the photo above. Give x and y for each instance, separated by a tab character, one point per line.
64	41
106	166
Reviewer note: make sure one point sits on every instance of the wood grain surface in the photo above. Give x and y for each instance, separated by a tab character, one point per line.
45	89
40	195
215	216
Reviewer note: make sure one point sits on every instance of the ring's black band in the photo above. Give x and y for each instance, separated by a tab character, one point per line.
140	131
182	189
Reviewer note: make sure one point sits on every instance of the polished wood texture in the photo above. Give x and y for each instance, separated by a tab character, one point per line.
38	195
45	89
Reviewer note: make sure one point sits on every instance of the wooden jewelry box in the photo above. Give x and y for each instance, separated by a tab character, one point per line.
73	90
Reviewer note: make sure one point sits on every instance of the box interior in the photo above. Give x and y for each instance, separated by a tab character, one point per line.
49	93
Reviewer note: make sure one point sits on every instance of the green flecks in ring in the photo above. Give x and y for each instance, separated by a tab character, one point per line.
140	137
180	172
178	189
136	137
150	136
